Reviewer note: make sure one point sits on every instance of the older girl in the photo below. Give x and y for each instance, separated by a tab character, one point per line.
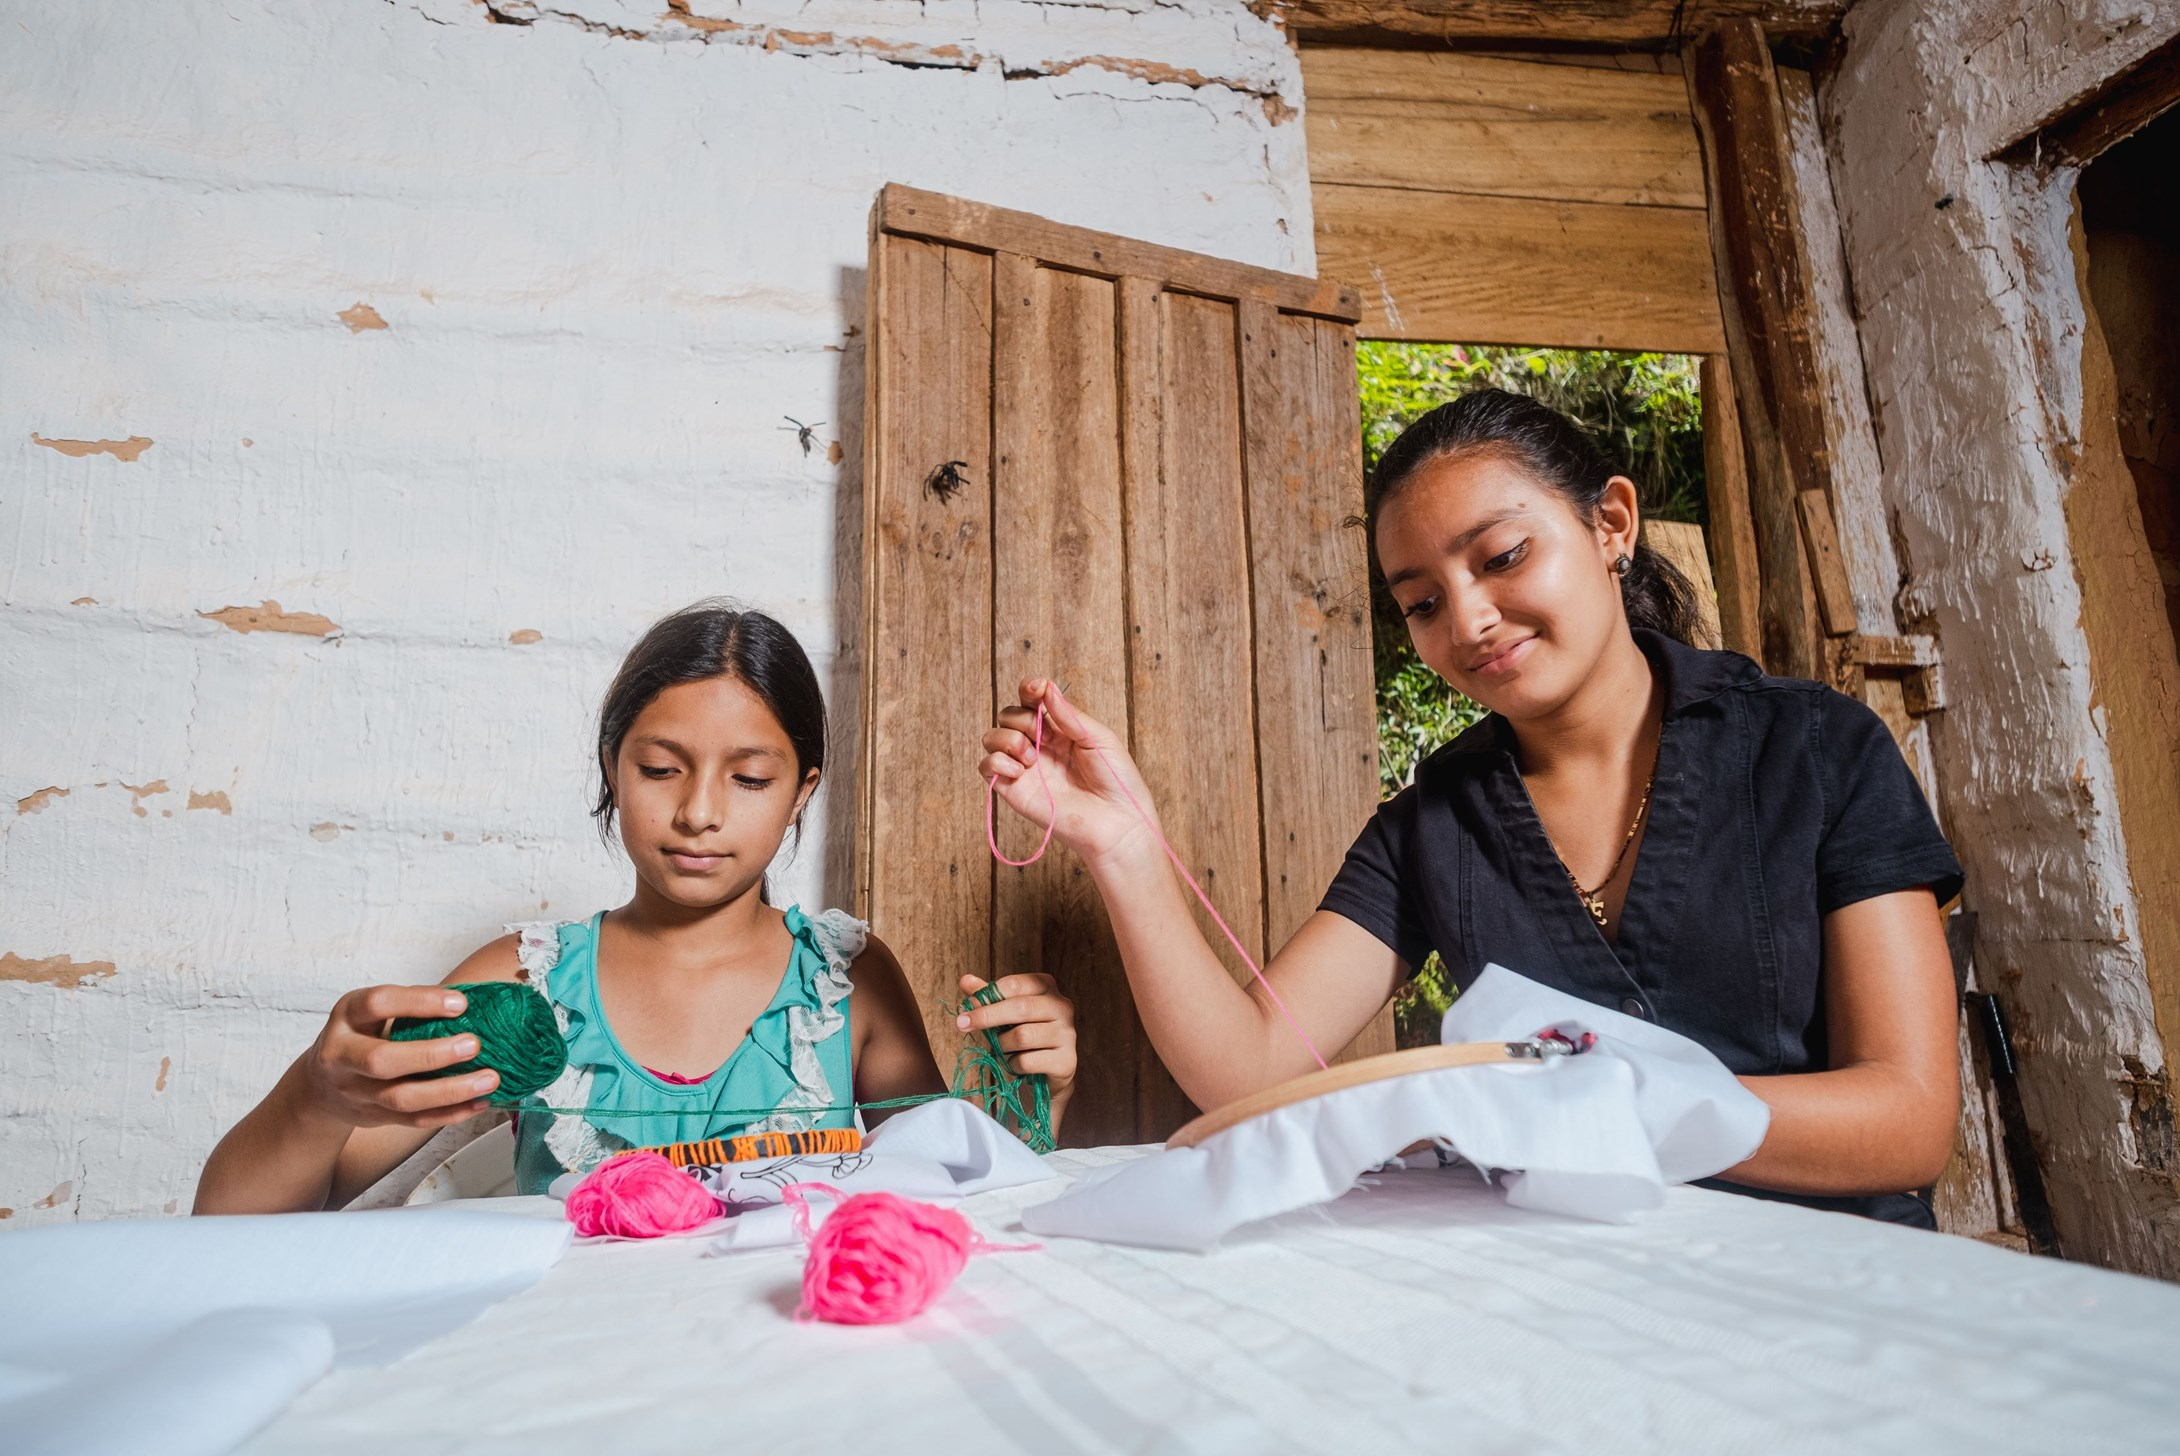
1668	832
696	1009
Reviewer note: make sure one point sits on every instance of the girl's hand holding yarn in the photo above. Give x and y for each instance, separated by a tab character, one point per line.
354	1076
1035	1025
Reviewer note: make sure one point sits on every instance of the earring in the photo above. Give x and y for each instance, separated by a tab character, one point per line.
1621	564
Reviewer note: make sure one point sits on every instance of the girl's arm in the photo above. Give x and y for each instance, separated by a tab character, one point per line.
1881	1120
1220	1040
349	1109
892	1054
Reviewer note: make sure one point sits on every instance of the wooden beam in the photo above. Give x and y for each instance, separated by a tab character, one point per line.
1453	267
1631	23
1827	568
912	213
1452	121
1735	565
1764	292
2123	106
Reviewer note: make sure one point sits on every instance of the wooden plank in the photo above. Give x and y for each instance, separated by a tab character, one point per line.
1059	612
2121	107
1764	298
1732	536
1160	1104
1835	594
1857	484
914	213
1316	711
1681	543
1462	268
930	663
1446	121
1914	650
1189	606
1581	22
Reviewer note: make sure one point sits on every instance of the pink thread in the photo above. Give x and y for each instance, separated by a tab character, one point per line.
639	1196
1202	899
1052	806
879	1259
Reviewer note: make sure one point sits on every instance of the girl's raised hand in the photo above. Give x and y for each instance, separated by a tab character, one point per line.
354	1076
1083	760
1036	1026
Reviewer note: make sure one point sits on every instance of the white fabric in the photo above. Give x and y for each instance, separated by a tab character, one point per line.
939	1151
1598	1135
1699	1120
187	1334
1420	1313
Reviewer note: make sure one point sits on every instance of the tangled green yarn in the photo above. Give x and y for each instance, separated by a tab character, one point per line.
517	1037
1021	1103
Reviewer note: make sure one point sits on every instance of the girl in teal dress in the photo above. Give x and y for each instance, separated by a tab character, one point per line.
696	1010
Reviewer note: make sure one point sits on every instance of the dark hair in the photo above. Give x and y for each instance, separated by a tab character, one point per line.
1555	450
713	639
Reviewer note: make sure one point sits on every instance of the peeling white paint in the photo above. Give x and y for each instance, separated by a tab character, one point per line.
1971	335
608	264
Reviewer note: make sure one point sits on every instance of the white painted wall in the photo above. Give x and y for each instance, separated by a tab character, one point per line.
611	249
1971	334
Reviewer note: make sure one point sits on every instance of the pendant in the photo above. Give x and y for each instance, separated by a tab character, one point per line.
1595	904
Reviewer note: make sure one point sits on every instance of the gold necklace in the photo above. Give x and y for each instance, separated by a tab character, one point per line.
1594	900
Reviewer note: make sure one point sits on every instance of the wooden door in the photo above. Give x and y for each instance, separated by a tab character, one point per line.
1130	469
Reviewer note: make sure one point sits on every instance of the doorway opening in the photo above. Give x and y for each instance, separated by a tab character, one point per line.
1644	411
2131	224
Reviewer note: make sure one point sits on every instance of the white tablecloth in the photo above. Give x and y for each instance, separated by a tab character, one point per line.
1417	1313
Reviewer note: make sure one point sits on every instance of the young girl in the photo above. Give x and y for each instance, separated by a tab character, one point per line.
1743	859
680	1021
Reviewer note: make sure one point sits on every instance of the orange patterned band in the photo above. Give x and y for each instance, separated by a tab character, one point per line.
750	1147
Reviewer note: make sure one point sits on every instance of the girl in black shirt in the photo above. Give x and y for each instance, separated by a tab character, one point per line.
1743	859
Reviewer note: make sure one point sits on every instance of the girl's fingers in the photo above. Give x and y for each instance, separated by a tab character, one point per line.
1028	983
429	1094
1069	719
388	1061
1055	1064
1035	1036
1016	1010
374	1006
1015	745
1001	767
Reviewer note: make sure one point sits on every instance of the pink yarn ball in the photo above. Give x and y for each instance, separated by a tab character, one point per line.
879	1259
639	1196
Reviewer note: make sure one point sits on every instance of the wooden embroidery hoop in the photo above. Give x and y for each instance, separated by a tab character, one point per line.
1357	1073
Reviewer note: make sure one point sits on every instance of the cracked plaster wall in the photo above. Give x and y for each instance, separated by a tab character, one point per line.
1971	331
370	374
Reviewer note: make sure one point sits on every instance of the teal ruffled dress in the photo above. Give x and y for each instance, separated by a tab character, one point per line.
795	1069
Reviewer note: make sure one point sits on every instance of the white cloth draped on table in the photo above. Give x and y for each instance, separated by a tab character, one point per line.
184	1335
1598	1135
940	1150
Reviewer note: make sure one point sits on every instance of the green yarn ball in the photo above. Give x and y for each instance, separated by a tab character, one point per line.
517	1037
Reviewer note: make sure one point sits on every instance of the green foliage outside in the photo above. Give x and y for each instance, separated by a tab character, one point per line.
1645	413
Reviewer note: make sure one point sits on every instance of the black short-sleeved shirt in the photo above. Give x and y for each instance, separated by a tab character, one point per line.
1776	802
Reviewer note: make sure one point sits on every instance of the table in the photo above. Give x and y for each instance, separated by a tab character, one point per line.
1417	1313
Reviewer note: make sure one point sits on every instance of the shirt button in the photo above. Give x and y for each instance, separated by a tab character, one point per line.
1634	1008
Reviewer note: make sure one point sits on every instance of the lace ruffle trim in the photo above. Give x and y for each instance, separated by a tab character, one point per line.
840	938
